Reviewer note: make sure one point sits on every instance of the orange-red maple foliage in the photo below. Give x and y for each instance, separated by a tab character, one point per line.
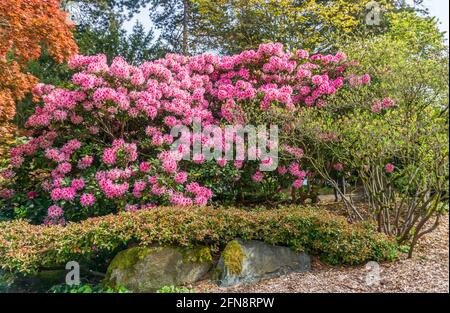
25	27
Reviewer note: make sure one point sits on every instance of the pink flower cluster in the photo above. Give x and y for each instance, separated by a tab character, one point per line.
389	168
85	162
87	199
384	104
109	182
112	133
119	145
295	151
295	170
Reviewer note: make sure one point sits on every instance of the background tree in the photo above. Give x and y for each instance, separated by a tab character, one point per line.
141	46
99	29
390	137
230	26
177	21
26	27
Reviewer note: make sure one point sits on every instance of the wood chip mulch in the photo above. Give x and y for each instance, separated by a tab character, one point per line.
427	271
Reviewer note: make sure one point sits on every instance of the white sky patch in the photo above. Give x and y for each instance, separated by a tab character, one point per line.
439	9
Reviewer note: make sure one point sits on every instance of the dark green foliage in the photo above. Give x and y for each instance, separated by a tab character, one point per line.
25	247
86	288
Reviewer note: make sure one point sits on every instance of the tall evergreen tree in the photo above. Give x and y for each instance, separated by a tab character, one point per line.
175	19
141	45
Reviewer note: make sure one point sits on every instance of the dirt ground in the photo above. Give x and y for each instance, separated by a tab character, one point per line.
427	271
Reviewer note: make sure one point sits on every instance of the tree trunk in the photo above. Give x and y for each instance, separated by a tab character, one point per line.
293	194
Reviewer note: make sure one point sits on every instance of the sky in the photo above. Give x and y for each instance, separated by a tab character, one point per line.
438	8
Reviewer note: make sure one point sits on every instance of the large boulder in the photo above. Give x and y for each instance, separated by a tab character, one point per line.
252	261
145	269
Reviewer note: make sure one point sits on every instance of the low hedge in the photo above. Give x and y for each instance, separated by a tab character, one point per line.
25	247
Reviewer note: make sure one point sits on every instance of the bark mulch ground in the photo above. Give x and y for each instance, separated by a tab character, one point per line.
427	271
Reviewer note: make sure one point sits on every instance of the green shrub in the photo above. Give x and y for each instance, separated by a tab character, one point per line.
25	247
174	289
86	288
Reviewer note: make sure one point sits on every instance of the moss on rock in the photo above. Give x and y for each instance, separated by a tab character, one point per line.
145	269
233	257
250	261
123	260
196	255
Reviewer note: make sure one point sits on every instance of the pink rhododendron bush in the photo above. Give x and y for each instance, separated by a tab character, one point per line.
103	144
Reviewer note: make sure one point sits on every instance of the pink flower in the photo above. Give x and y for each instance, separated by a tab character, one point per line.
54	211
301	175
78	184
87	199
157	139
153	179
377	106
179	199
180	178
147	206
119	68
258	177
71	146
93	130
85	162
365	79
109	156
387	103
170	166
56	194
137	78
338	166
138	187
131	207
193	188
309	101
221	162
68	193
389	168
295	151
294	169
198	158
144	167
7	174
341	56
32	194
298	183
170	121
302	54
59	115
201	200
64	168
282	170
158	190
317	79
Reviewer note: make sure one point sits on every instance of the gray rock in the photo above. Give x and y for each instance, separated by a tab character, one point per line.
145	269
252	261
39	282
